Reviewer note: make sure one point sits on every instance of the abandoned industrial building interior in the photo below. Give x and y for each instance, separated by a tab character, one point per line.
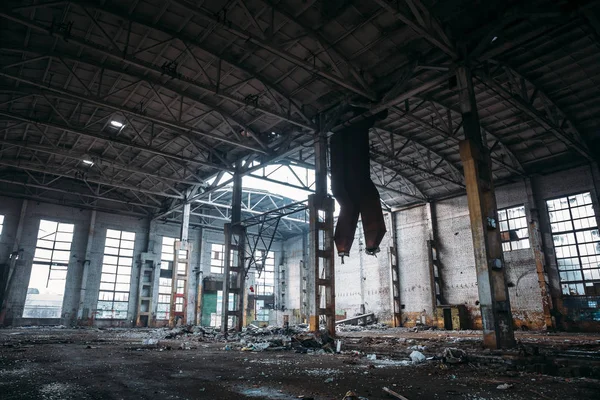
317	199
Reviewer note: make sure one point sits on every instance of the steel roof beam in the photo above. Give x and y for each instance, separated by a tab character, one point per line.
97	135
322	40
47	169
131	60
191	41
97	160
287	149
420	27
70	192
181	129
521	97
206	15
519	170
450	164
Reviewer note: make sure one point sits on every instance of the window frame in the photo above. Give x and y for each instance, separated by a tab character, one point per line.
510	242
214	268
567	284
56	265
261	281
114	313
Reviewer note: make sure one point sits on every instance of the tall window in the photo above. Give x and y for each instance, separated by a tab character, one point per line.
265	265
1	223
115	281
215	318
217	261
167	256
576	243
513	228
49	270
167	252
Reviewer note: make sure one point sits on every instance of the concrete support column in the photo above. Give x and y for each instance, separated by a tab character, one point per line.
321	268
15	258
489	261
82	312
185	223
199	276
234	259
538	252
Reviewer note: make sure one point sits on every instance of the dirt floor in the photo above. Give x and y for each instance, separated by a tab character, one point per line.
56	364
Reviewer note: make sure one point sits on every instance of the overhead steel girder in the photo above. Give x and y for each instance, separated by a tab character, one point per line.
152	82
419	26
454	168
128	59
386	161
246	210
16	117
325	44
33	147
79	194
523	101
189	40
519	170
230	27
179	128
420	195
287	150
50	170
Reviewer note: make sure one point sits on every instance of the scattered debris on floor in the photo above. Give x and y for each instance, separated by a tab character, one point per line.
273	363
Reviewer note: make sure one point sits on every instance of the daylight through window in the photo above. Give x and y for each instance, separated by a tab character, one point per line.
49	270
513	228
576	243
115	281
167	257
217	252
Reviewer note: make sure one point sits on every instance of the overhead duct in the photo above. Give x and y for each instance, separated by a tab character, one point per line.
352	186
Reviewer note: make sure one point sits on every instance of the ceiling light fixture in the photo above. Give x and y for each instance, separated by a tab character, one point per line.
494	39
116	124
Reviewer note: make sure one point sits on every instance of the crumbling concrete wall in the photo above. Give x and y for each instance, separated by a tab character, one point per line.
363	282
456	257
412	234
456	253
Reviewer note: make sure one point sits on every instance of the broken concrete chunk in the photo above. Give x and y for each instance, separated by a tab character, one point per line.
454	356
417	357
504	386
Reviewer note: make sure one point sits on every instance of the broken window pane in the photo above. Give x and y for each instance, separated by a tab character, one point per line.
514	230
48	277
113	299
577	247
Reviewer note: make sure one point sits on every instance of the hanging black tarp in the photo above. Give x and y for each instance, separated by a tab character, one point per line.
352	186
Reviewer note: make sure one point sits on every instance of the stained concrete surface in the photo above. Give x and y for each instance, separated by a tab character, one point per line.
57	364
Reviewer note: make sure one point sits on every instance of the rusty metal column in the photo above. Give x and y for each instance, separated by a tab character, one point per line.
234	260
496	315
321	245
